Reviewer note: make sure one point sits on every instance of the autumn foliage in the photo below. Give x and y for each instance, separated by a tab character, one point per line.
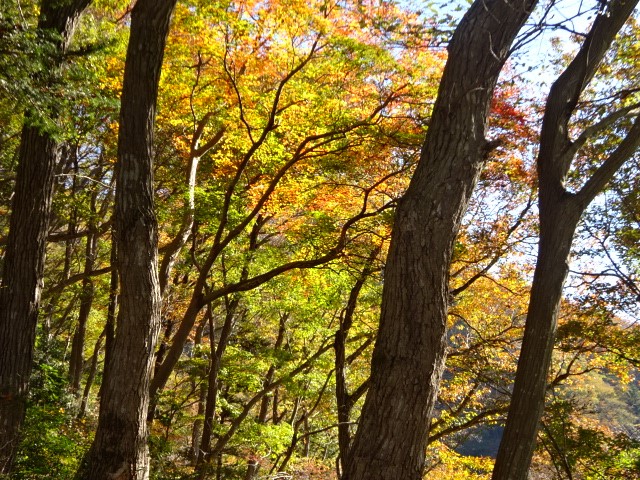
286	134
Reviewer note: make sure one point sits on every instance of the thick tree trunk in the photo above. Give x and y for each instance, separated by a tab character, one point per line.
22	282
409	353
120	447
560	212
22	276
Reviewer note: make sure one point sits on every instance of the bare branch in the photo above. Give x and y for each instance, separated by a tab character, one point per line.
596	128
596	183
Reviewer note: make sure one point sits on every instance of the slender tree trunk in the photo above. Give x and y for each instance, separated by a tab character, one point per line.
204	453
344	400
409	353
537	346
173	353
69	247
112	309
86	299
76	363
119	450
22	276
560	212
172	250
196	431
306	439
253	464
93	368
72	226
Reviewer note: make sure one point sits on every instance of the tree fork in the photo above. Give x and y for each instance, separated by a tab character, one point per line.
560	212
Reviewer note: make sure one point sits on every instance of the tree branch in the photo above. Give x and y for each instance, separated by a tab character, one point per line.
607	170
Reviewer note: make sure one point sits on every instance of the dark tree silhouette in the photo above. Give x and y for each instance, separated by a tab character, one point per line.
22	275
560	212
120	446
409	353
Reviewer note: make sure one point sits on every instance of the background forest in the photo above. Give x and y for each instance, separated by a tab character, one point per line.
286	134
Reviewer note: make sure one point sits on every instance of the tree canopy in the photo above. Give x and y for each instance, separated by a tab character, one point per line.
229	211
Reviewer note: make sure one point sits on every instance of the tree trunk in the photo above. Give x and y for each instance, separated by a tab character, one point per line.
527	404
76	362
204	454
172	249
119	450
112	308
253	464
22	282
560	212
253	467
345	400
93	368
196	431
201	387
22	276
408	357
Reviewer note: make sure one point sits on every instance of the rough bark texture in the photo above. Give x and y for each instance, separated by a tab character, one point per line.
119	450
22	276
410	348
560	212
344	401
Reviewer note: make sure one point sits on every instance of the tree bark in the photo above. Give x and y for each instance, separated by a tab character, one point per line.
409	353
22	276
172	249
560	212
196	431
119	449
537	346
